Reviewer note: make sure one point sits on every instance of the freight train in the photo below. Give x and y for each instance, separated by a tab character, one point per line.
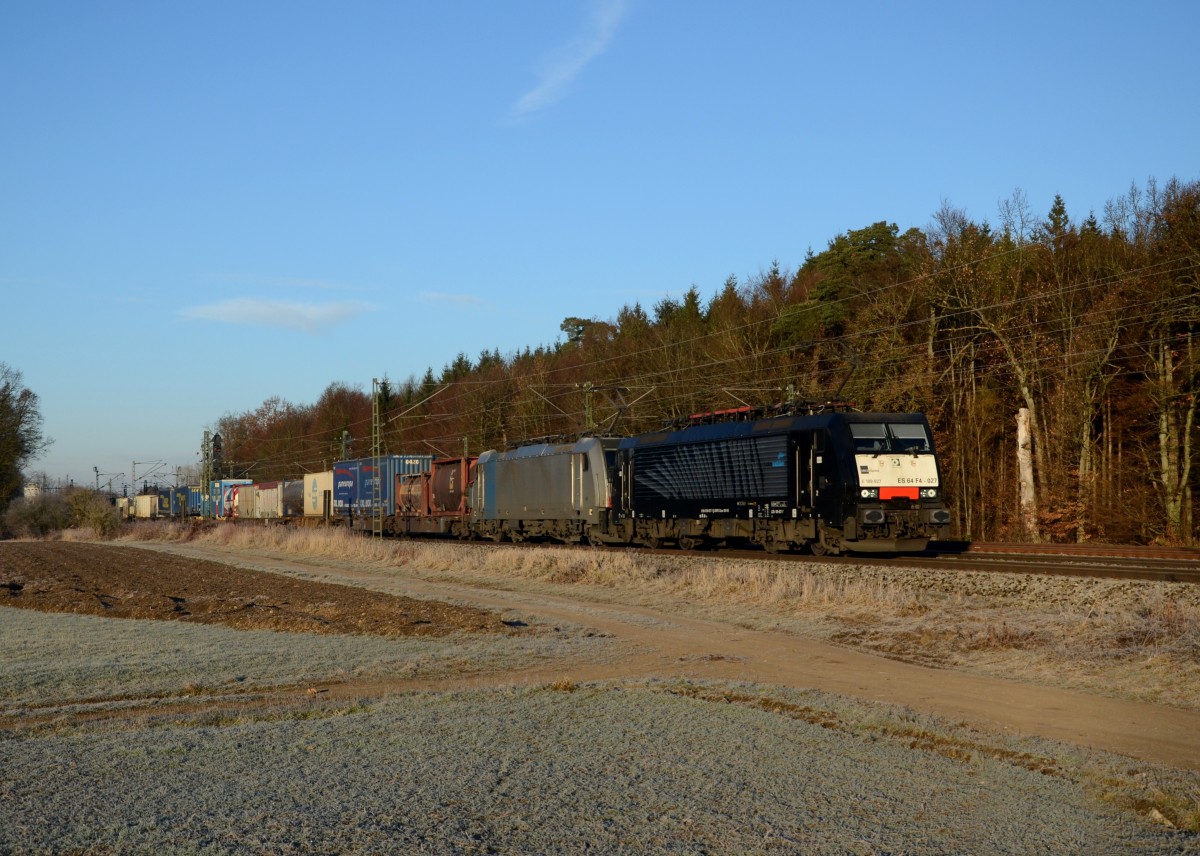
823	479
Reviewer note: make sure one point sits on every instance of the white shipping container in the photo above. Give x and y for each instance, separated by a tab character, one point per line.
268	499
145	507
244	502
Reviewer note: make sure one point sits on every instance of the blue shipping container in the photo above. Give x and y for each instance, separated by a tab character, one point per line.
354	482
220	497
185	501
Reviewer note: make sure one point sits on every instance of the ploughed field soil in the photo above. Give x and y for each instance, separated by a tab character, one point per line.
126	582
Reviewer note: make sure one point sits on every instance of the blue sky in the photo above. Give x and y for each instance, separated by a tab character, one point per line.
206	205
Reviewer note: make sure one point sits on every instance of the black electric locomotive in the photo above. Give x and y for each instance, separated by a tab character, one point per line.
828	481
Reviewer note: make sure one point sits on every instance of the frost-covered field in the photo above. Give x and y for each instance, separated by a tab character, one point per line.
55	660
614	767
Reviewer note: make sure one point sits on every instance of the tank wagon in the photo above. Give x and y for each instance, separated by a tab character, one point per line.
435	501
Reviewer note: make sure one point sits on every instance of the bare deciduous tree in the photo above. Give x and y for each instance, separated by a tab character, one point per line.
21	438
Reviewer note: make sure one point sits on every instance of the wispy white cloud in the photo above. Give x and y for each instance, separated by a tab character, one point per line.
285	282
565	64
456	299
254	312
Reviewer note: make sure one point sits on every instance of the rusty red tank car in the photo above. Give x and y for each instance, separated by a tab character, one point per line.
435	502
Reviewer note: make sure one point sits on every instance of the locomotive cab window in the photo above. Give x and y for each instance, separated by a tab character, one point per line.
910	438
869	437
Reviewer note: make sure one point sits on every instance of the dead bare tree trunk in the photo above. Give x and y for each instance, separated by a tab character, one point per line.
1027	494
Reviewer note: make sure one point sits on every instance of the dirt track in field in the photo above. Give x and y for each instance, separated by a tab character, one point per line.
125	582
179	583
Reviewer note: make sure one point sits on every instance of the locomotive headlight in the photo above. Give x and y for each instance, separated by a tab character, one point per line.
869	493
929	493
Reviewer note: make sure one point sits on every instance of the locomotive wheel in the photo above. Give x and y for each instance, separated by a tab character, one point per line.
818	548
686	543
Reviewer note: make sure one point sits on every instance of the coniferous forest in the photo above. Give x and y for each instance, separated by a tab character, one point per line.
1084	328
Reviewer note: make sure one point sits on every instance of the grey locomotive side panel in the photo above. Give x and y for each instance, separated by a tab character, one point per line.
544	483
596	495
534	488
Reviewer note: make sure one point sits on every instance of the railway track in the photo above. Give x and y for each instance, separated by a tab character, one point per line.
1164	564
1176	565
1107	561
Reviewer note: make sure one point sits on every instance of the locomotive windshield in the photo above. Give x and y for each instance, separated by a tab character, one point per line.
909	438
869	437
873	438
